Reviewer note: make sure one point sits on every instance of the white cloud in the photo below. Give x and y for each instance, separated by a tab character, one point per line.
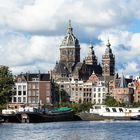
31	31
125	46
50	15
30	53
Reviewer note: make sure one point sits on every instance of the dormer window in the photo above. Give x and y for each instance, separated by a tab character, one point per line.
35	79
19	80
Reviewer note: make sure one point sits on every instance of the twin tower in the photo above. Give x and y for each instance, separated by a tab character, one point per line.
69	64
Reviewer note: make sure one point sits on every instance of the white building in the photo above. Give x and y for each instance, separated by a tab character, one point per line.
74	88
80	91
21	93
99	91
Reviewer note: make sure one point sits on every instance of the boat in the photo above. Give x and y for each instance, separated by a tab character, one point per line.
36	115
137	117
1	120
103	112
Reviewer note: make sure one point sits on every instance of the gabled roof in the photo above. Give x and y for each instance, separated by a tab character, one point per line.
77	67
60	68
32	76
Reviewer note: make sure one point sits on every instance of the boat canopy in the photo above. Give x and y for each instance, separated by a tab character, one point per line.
63	109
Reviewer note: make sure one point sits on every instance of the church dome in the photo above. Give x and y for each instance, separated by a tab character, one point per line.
70	39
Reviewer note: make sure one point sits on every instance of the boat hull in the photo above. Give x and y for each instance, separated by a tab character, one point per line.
96	117
12	118
36	117
136	118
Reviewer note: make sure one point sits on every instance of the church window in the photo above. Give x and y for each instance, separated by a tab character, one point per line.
19	80
64	52
71	52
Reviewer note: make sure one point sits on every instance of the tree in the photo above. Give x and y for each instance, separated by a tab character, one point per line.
85	106
79	107
6	84
64	96
136	104
110	101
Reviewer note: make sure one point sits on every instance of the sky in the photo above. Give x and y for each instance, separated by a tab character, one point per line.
31	32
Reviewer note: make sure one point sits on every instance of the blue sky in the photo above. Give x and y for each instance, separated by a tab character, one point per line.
31	32
135	27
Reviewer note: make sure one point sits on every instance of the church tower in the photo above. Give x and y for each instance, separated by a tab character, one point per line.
91	58
108	61
70	49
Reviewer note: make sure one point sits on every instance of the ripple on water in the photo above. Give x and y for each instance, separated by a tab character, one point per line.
80	130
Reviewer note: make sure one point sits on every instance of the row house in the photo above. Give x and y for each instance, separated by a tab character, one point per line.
136	86
74	89
121	91
99	91
93	90
21	90
33	89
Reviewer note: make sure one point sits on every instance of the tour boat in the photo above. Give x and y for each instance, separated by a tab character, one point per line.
35	115
103	112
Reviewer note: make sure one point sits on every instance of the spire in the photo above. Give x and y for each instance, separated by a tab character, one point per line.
70	39
108	43
123	82
91	58
91	45
93	72
69	29
69	23
108	50
90	50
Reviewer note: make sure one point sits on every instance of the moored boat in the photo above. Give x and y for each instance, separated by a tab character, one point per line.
35	115
103	112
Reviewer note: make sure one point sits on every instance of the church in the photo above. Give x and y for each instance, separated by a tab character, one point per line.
69	66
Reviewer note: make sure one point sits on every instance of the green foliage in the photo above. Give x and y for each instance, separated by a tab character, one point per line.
6	84
77	107
64	96
110	101
136	104
81	107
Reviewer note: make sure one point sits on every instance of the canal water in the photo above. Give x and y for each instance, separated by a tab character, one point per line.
80	130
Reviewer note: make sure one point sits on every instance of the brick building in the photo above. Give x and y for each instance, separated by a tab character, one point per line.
33	89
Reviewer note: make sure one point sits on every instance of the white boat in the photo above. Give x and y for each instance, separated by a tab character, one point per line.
115	112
